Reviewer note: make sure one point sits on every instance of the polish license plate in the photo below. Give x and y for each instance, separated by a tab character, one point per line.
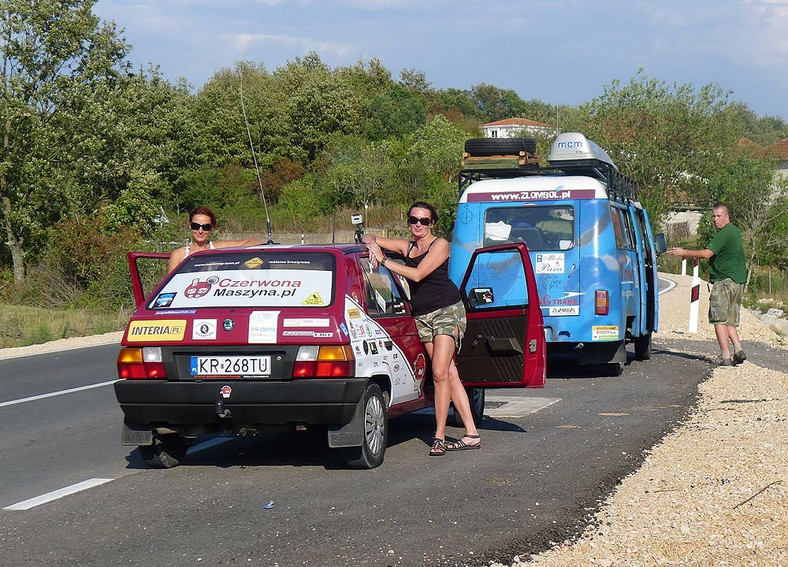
230	366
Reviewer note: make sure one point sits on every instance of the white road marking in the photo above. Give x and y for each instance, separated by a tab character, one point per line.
53	394
55	494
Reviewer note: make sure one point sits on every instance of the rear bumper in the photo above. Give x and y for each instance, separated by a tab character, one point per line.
325	401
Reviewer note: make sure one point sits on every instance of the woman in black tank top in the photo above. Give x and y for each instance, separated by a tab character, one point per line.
439	313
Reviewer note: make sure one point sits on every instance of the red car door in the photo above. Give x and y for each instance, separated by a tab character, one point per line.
504	344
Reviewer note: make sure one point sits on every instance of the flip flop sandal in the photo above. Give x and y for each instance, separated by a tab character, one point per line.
460	445
438	448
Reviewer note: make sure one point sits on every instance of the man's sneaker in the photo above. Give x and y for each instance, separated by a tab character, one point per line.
739	357
724	362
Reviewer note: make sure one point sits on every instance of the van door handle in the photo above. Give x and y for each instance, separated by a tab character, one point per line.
572	269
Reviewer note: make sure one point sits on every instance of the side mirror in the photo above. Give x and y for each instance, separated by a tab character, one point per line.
480	296
660	244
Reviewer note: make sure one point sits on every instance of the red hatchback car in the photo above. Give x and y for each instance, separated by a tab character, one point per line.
238	339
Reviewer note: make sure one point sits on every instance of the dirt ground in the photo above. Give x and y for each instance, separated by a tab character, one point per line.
715	491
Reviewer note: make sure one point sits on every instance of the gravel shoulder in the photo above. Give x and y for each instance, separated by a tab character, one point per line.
715	491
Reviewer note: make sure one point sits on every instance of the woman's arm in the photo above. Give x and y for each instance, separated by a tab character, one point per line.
436	256
391	244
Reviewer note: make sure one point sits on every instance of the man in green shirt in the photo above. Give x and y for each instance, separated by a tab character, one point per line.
728	273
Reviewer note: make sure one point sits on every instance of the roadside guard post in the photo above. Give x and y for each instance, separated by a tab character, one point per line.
694	299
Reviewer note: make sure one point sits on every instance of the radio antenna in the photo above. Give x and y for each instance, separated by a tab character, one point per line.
254	158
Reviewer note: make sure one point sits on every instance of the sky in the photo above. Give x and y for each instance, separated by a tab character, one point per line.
556	51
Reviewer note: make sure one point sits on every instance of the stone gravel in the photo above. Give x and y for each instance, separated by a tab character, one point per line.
715	491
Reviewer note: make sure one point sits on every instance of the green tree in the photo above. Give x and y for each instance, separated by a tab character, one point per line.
670	138
52	51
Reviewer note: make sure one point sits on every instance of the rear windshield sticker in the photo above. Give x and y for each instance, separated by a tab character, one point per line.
552	263
249	288
253	263
159	330
204	329
263	326
164	300
313	299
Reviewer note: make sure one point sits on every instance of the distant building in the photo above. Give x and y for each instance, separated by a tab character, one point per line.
515	127
778	151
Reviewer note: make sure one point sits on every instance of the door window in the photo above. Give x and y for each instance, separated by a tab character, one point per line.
383	295
497	280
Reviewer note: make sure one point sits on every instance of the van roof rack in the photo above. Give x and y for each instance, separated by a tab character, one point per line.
571	153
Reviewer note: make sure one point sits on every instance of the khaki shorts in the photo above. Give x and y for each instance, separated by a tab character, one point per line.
443	321
725	303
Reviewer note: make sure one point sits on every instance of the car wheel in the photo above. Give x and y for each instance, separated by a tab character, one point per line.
499	146
643	347
376	430
476	397
166	452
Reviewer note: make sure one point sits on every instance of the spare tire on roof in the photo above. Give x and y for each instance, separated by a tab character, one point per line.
499	146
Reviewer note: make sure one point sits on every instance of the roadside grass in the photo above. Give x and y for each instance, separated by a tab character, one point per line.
23	325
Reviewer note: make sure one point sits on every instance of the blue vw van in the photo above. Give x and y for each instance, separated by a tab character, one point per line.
589	238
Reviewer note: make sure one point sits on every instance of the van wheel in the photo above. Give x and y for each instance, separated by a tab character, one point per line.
166	452
376	431
499	146
476	397
643	347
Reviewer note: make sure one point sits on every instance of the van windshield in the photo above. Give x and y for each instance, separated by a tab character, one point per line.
251	278
541	228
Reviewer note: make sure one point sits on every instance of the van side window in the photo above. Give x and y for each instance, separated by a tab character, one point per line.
629	230
617	228
541	228
383	297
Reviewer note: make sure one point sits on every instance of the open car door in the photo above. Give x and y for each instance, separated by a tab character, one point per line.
147	270
504	344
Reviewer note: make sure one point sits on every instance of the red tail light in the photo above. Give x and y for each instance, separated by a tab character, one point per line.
141	364
601	302
324	362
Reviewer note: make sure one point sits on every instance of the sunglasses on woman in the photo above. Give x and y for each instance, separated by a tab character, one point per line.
207	227
423	220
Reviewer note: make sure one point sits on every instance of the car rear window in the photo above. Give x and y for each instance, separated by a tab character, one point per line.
251	278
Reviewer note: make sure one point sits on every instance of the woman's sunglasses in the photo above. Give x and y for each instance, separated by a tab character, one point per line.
416	220
206	227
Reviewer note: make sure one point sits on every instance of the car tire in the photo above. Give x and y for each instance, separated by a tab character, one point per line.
482	147
376	431
643	347
476	398
167	451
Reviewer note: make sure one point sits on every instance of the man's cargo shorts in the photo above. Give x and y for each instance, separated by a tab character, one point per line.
725	303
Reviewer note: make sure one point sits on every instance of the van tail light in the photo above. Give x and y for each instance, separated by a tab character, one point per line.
601	302
324	362
141	364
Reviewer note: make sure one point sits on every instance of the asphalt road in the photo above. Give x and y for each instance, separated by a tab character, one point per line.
283	498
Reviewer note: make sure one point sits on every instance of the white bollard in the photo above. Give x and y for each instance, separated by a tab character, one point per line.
694	299
683	266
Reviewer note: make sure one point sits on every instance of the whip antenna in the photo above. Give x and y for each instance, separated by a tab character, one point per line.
254	160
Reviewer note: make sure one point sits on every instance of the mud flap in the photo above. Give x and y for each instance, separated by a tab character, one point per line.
136	435
351	434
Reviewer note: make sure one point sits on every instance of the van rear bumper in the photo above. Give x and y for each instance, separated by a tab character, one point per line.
324	401
590	352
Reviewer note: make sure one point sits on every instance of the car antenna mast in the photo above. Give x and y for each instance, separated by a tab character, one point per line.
254	158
